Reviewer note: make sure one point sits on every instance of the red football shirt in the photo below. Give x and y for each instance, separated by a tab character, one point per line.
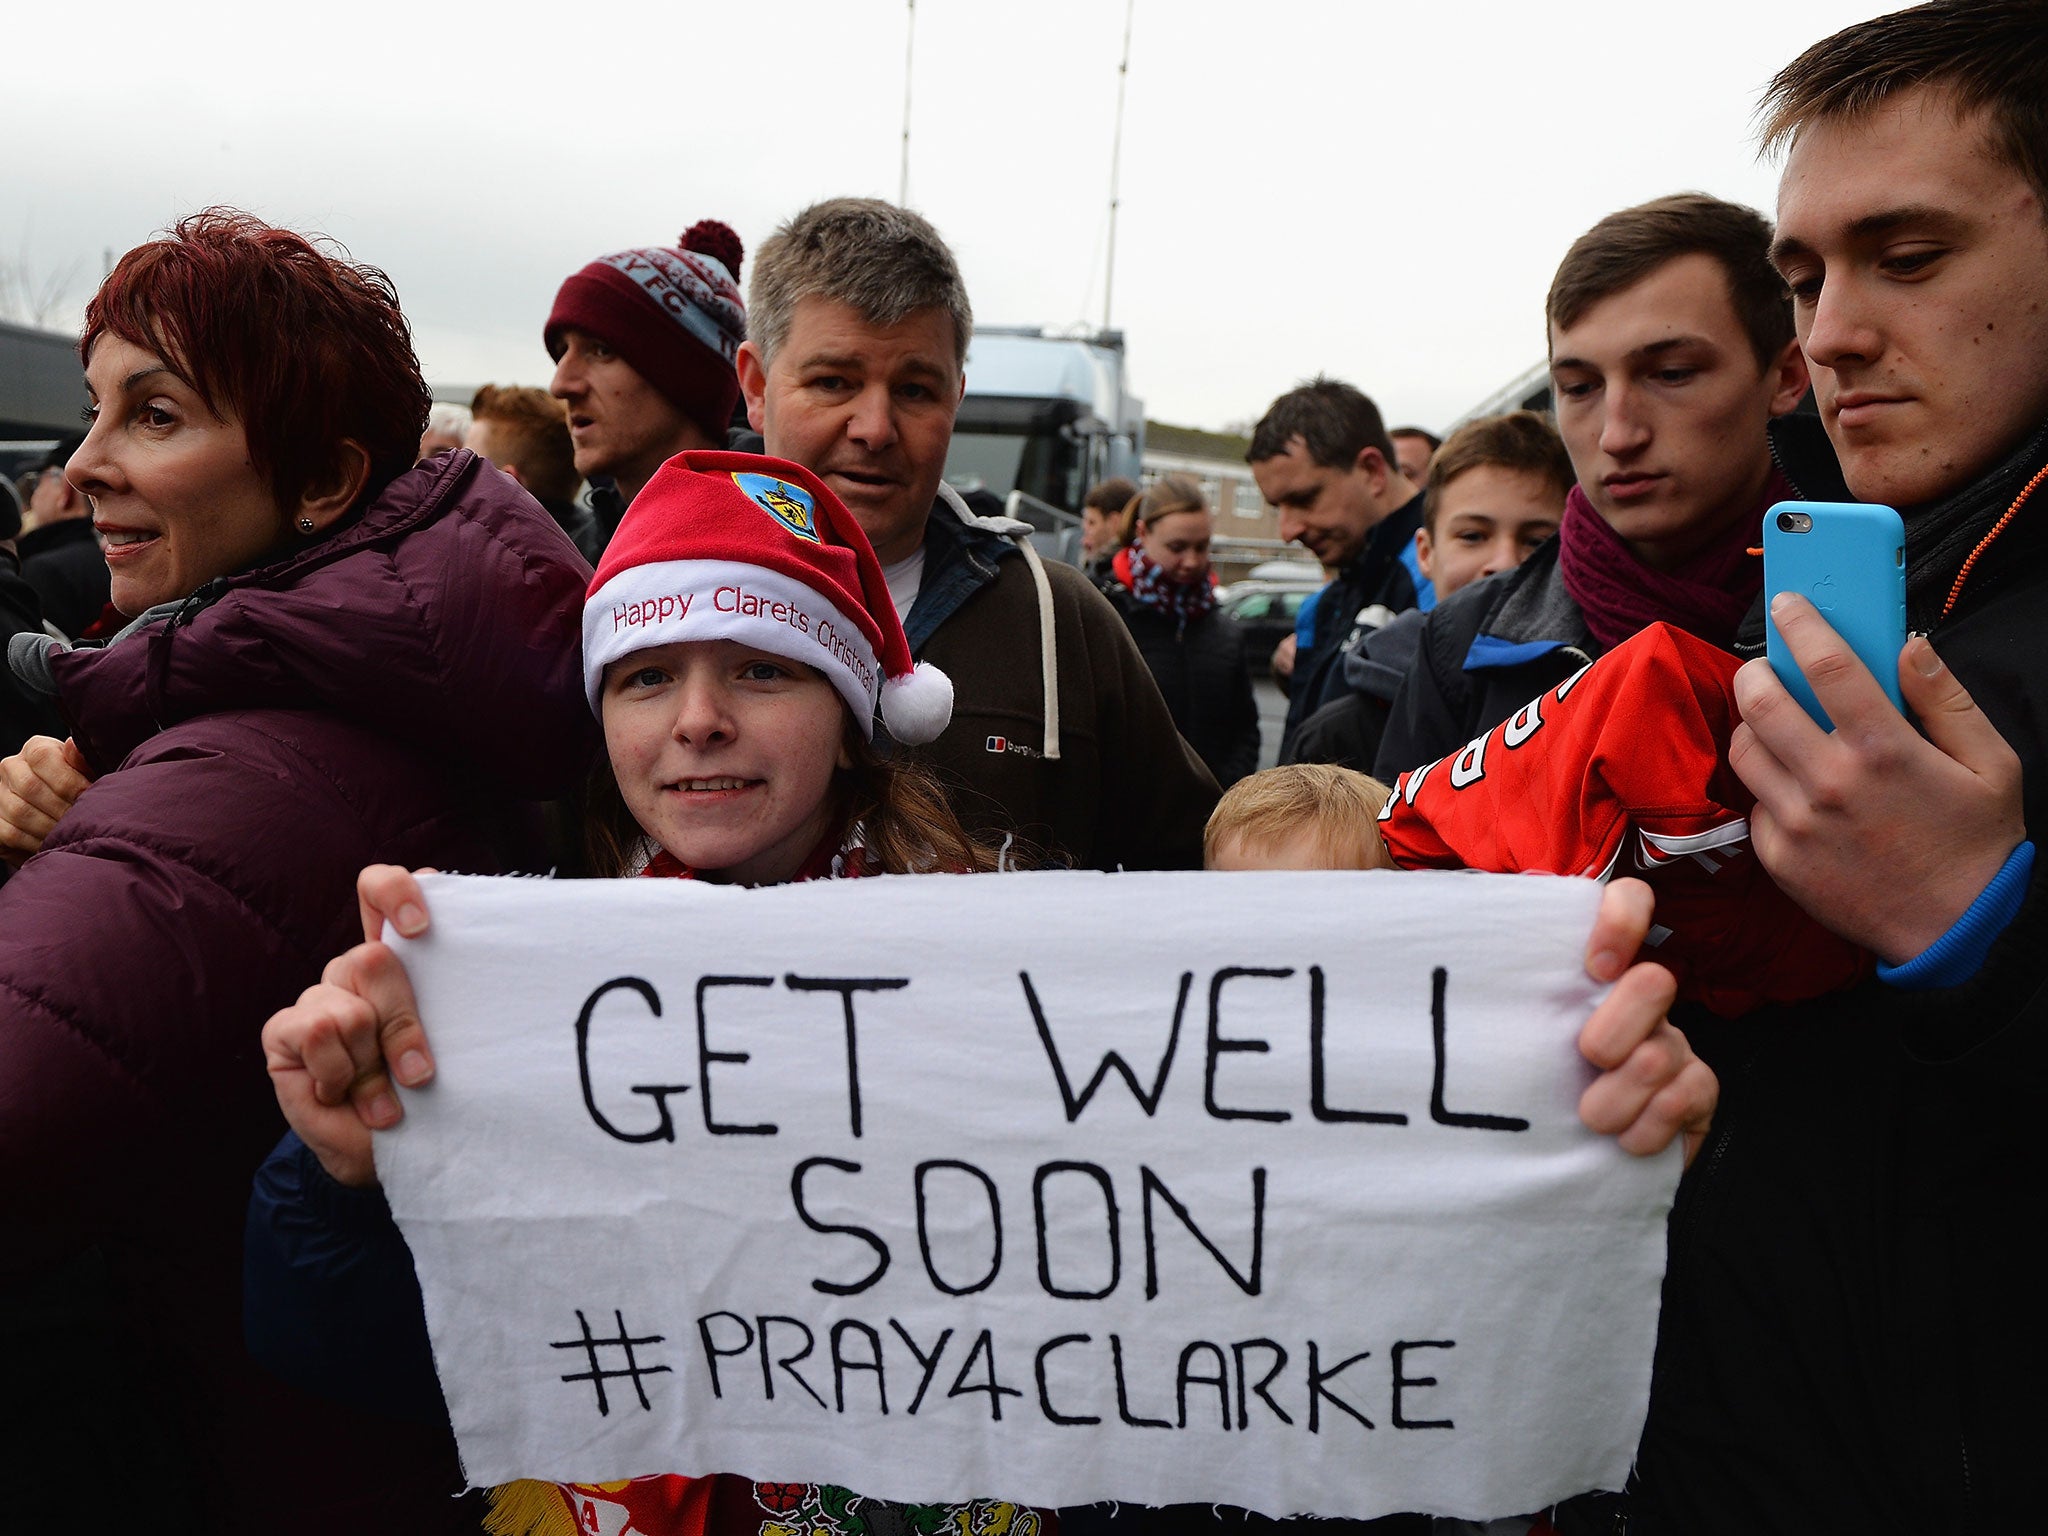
1622	769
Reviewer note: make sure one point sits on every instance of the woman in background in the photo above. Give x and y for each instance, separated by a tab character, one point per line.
1162	584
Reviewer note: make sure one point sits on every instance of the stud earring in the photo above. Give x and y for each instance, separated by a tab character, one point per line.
305	525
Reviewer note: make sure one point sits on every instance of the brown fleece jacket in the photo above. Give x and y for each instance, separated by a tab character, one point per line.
1125	792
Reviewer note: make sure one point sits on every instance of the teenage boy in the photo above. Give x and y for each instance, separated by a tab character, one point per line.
644	343
1322	457
1671	351
854	367
1852	1325
1495	493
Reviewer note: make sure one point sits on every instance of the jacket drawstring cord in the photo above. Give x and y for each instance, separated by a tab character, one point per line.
1983	544
1048	650
1019	532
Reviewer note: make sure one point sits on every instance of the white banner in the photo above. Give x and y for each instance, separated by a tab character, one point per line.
1260	1189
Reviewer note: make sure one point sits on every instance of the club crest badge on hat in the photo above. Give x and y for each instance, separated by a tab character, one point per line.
790	505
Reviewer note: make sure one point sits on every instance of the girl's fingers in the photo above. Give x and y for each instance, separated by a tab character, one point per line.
386	893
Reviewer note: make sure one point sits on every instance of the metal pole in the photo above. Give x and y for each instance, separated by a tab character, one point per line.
909	43
1116	150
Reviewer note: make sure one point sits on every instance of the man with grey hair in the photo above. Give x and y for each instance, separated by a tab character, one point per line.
447	423
854	366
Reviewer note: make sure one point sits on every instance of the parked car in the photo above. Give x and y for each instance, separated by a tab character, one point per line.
1266	611
1288	573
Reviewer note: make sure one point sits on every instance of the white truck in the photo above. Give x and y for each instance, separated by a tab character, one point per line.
1047	414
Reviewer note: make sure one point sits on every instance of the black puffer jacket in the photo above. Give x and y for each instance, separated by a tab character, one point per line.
1201	672
1348	730
1853	1330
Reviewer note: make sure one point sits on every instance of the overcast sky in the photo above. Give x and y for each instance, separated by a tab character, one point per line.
1376	191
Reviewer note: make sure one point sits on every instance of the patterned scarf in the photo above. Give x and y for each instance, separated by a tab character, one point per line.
1619	595
1181	601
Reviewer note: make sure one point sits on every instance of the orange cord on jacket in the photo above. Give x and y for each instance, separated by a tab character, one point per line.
1983	544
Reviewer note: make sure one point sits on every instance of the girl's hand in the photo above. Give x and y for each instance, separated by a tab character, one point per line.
333	1055
37	786
387	893
1651	1086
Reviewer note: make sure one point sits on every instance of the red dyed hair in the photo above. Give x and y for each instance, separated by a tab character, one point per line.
303	349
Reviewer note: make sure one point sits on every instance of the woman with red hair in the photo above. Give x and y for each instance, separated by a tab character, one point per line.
331	658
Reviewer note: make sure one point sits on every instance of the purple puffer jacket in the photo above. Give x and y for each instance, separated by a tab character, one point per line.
397	693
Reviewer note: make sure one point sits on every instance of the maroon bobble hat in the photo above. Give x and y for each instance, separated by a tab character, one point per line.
675	315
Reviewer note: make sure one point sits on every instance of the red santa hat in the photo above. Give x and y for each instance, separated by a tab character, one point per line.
735	546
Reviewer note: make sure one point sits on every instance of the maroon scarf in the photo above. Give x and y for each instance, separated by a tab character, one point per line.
1708	596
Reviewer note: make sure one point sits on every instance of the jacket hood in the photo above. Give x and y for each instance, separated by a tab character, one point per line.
447	616
1379	663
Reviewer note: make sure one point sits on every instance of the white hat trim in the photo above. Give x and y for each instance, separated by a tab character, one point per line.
679	600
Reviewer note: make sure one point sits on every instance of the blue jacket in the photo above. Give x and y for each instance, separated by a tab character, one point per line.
330	1303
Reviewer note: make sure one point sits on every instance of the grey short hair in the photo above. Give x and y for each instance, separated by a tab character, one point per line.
884	262
449	419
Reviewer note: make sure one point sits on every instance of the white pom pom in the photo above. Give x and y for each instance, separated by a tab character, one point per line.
917	706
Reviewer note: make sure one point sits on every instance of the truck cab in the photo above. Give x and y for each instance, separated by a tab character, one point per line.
1046	415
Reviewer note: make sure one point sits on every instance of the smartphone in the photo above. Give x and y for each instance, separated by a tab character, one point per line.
1849	560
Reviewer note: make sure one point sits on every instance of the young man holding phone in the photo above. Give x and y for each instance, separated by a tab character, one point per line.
1852	1325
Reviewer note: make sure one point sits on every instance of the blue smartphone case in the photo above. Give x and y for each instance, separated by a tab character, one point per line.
1851	565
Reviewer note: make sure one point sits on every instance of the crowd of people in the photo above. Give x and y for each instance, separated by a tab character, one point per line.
281	629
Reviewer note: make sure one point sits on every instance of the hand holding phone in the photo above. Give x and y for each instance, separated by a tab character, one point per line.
1849	560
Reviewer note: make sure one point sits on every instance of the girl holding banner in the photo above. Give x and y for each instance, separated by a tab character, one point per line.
738	643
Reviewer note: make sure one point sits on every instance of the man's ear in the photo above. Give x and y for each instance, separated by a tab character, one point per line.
1373	463
511	472
753	372
1788	379
335	491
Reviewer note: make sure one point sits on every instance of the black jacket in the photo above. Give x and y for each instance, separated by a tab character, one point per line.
1347	731
1203	676
1384	575
22	714
1490	648
63	562
580	523
1852	1331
